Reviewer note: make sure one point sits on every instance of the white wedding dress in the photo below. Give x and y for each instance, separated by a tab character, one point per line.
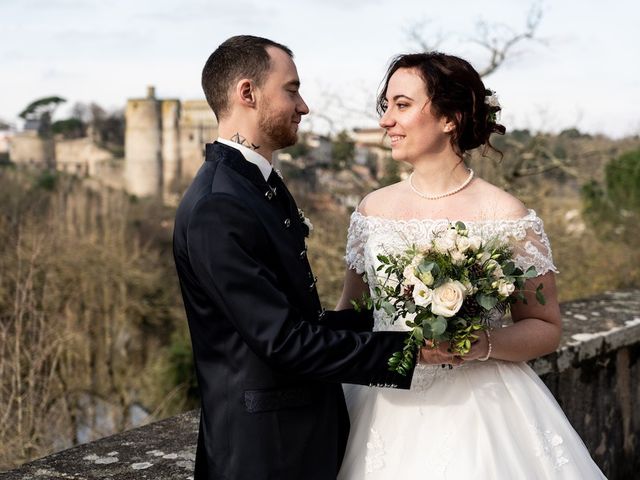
488	420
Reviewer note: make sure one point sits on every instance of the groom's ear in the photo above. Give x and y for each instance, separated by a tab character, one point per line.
245	92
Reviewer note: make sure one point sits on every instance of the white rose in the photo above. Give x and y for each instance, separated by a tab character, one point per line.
458	258
475	242
422	294
447	298
505	288
463	243
409	275
444	244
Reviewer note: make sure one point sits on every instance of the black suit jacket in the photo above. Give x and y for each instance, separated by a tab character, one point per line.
269	363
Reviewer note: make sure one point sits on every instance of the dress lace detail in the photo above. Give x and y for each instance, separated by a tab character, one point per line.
369	236
527	234
356	238
375	452
549	446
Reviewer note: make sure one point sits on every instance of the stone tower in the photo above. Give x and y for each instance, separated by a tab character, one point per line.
143	146
164	144
171	165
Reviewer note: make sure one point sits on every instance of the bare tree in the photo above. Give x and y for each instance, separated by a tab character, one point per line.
424	43
498	40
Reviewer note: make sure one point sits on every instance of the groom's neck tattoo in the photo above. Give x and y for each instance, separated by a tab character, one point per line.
237	138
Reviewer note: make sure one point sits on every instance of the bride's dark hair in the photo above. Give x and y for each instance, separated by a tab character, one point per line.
456	92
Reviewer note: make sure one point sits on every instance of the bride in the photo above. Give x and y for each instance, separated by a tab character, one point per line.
490	416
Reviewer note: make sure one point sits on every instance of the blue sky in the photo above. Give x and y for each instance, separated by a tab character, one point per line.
586	73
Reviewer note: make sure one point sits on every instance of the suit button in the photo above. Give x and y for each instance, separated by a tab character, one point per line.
287	222
269	194
303	254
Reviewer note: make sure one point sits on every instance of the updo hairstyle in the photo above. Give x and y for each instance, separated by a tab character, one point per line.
456	92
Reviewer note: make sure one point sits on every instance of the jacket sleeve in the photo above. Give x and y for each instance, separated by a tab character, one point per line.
348	319
227	248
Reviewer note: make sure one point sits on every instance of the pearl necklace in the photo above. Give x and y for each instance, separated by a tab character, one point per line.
442	195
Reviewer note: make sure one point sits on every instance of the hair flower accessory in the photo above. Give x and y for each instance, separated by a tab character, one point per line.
493	111
491	99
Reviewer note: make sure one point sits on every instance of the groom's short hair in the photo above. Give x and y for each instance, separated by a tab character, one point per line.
242	56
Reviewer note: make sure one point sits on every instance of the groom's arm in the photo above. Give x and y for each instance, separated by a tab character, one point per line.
349	319
228	247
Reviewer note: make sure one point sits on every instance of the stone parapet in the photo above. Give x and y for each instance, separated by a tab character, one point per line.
595	375
163	450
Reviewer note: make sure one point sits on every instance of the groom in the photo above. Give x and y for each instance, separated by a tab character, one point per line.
269	361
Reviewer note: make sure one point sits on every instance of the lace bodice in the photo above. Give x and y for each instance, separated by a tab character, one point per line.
370	236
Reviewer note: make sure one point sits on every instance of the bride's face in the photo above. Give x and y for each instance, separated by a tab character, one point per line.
413	129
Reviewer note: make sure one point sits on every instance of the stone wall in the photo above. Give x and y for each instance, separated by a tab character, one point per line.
198	126
80	156
595	375
28	148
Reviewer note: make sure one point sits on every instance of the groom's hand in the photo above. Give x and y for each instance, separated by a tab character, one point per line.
439	355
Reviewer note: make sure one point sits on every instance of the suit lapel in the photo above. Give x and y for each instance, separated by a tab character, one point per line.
233	159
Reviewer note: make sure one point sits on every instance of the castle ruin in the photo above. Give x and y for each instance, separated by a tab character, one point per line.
164	143
164	148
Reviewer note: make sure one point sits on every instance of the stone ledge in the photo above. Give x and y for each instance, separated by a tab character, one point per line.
165	450
594	327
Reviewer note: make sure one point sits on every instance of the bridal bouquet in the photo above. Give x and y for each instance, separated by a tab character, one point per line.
447	290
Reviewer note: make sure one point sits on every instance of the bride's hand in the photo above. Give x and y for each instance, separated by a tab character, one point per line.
479	348
439	355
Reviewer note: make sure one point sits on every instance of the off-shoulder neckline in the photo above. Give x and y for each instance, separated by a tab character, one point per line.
530	216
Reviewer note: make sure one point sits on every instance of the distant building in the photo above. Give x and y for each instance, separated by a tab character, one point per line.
5	140
29	148
81	156
320	148
372	148
164	143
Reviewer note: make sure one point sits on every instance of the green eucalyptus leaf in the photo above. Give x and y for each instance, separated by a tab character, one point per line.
508	268
426	266
485	301
438	325
417	332
388	308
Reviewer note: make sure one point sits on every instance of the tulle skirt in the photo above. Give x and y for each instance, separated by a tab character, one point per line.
483	420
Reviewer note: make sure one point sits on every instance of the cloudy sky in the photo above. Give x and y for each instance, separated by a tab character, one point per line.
585	72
